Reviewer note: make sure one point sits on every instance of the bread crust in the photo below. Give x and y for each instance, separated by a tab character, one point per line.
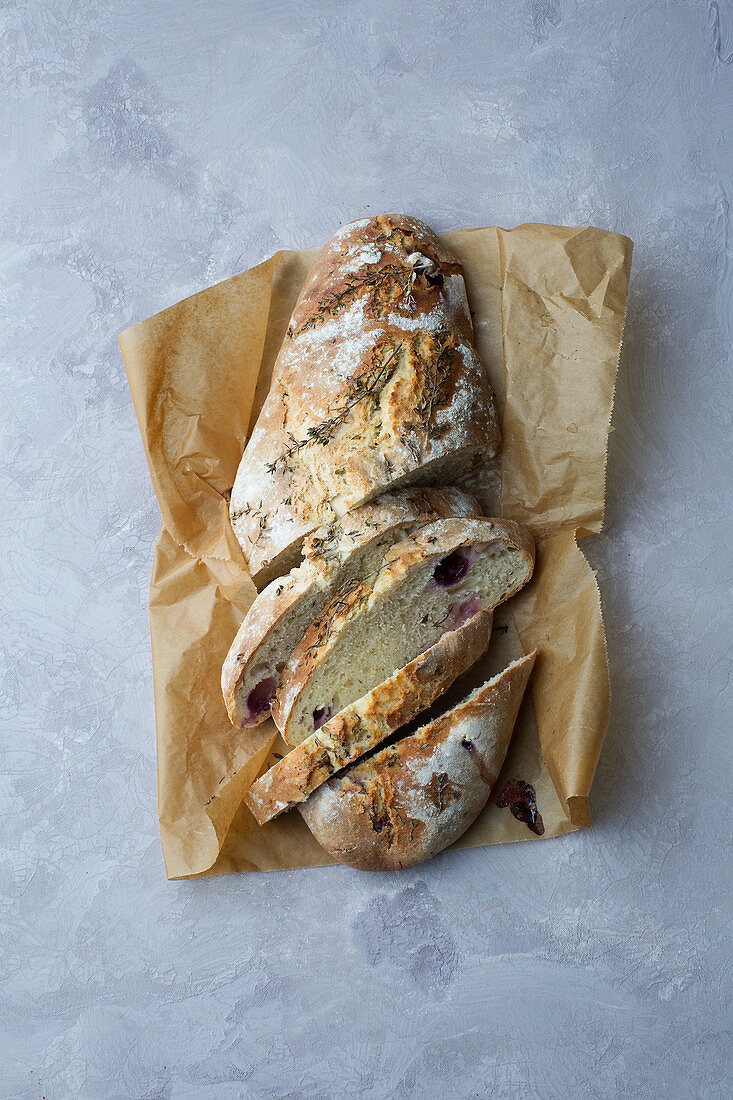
431	542
376	382
363	725
332	556
416	797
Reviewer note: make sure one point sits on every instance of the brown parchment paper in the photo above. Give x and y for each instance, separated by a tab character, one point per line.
548	306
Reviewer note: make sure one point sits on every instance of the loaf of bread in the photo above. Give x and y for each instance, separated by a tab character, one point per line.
430	583
415	797
334	556
377	386
377	394
364	724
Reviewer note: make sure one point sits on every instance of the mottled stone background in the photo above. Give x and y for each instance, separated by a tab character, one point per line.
151	148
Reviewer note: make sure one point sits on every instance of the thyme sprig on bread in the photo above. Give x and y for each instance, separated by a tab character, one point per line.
368	384
388	284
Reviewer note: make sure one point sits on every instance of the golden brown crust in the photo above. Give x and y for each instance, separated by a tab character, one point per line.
377	379
363	725
414	798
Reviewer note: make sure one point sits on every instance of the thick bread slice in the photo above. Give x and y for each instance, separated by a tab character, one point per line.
429	584
334	555
366	723
415	797
377	386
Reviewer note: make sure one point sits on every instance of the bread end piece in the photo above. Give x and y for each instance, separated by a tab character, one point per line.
416	797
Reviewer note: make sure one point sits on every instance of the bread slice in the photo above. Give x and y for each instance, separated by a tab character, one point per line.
377	386
429	584
415	797
366	723
335	555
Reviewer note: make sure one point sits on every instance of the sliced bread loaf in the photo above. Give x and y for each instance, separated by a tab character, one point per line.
377	386
413	798
429	584
335	555
366	723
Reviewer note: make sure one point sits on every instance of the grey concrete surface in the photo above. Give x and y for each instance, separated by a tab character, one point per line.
152	148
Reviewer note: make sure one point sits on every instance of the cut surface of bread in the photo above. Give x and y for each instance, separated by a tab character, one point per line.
415	797
334	555
430	584
366	723
377	386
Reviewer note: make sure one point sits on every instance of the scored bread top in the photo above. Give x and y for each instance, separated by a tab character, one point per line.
415	797
334	554
402	609
377	381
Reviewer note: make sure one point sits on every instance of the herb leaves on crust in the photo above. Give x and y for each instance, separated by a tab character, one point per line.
387	285
368	384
